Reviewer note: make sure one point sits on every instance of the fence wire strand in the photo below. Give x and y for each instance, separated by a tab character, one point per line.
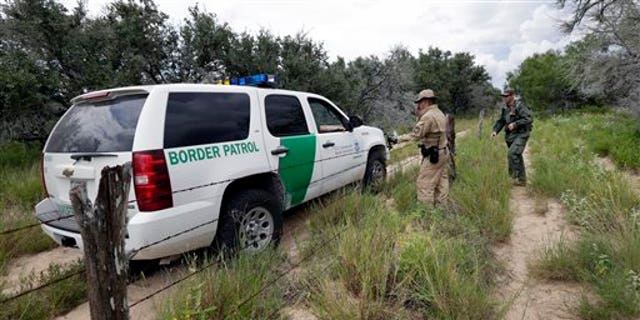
237	307
209	184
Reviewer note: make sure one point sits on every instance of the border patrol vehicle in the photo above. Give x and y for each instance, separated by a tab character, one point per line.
215	165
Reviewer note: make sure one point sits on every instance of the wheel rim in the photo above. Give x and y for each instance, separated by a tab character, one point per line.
377	171
256	229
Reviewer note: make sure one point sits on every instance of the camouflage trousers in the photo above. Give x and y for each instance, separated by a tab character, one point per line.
516	143
432	184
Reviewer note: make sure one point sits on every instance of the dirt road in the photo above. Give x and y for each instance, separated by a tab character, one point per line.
535	226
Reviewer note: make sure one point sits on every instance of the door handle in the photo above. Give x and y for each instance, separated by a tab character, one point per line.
328	144
279	150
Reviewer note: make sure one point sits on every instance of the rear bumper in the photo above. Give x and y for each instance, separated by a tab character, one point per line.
145	228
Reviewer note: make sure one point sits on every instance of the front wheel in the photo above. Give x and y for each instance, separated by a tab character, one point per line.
250	220
376	172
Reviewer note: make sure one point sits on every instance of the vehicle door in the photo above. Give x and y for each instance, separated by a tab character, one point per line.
340	152
292	147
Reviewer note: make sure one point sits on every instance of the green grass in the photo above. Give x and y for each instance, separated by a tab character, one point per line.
482	189
398	259
218	291
445	277
601	203
361	281
381	256
469	123
398	154
615	135
20	190
51	301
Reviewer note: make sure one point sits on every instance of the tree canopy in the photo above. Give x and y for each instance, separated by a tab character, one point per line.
49	54
601	68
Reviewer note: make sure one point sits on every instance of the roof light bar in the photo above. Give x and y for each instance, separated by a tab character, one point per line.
258	80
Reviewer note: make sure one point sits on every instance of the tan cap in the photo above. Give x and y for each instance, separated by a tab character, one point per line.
508	92
425	94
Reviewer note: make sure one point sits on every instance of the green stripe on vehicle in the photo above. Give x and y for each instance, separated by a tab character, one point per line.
296	168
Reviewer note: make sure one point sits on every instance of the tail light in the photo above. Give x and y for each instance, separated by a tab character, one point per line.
151	180
44	185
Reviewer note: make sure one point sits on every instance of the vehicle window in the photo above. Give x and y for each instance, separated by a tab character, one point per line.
195	118
285	116
98	126
327	118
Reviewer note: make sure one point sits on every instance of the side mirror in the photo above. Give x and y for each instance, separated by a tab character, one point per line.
355	121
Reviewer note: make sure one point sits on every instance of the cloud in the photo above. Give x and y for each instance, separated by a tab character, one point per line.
500	33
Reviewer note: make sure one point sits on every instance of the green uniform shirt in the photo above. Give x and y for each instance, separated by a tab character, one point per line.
518	114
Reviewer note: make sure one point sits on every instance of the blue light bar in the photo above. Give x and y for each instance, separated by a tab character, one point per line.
258	80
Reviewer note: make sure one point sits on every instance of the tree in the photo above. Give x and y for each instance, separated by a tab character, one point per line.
205	48
49	54
542	81
37	66
143	43
301	62
607	61
453	77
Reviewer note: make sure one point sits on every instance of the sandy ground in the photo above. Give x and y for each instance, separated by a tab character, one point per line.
535	226
632	176
296	313
21	267
148	309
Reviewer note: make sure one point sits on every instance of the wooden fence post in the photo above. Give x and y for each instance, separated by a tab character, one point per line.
481	122
103	227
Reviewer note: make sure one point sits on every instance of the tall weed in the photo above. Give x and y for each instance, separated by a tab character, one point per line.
445	278
51	301
482	189
218	291
601	203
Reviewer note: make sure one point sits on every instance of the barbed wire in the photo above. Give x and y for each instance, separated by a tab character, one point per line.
209	184
14	230
134	252
270	283
316	277
174	283
83	269
322	244
42	286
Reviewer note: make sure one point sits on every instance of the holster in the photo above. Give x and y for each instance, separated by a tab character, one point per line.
433	153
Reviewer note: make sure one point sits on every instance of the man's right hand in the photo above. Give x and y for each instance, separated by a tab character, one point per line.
493	134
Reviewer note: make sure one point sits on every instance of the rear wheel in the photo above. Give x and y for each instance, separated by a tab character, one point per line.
376	172
250	220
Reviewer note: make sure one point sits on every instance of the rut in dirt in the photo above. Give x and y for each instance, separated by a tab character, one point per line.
536	225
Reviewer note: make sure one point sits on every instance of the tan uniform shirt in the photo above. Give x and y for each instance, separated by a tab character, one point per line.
430	128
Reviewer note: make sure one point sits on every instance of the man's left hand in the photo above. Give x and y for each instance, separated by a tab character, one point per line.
511	126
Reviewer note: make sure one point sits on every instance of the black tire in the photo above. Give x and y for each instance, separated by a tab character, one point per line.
247	219
376	172
140	268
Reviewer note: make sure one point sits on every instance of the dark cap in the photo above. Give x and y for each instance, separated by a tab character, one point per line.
508	92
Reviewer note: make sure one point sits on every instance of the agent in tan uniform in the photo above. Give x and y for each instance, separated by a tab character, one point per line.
433	180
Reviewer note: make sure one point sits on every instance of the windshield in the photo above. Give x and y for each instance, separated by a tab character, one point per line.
98	126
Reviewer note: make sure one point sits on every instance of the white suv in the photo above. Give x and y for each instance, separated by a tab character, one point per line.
215	164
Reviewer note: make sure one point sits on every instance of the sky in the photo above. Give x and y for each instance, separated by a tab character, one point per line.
501	34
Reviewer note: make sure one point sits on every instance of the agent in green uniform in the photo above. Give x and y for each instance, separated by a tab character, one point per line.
517	120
